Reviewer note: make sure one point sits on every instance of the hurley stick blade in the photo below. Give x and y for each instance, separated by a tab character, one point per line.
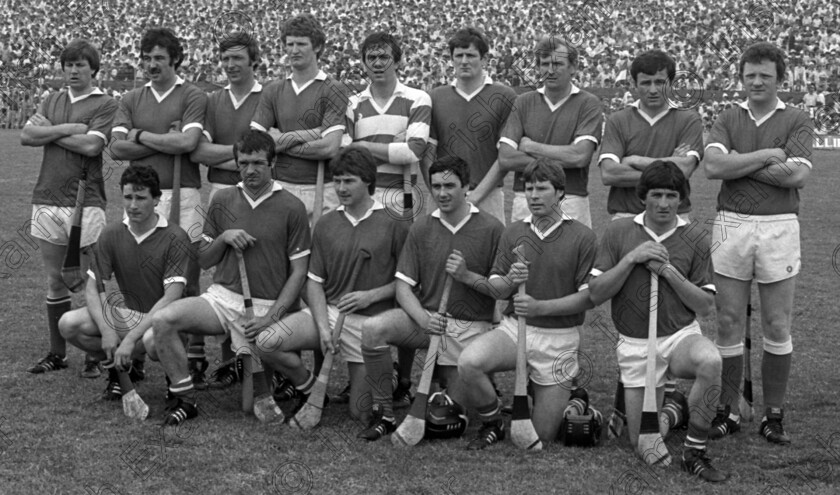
413	427
651	448
175	204
521	428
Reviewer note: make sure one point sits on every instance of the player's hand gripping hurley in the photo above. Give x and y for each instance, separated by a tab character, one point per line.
247	360
413	427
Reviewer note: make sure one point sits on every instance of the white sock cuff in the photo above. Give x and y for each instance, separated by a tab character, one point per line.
778	348
731	350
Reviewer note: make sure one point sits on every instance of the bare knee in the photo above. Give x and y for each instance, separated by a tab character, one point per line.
709	365
374	332
470	366
70	324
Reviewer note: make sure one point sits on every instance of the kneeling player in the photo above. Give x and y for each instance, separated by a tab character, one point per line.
342	278
630	249
149	257
269	225
556	254
421	275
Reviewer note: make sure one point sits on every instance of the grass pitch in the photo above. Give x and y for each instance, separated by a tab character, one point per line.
57	437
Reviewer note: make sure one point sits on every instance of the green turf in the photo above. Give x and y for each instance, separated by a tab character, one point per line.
57	437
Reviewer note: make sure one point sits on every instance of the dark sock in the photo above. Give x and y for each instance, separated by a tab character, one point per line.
184	390
490	412
775	371
379	372
227	352
196	349
55	309
307	385
732	374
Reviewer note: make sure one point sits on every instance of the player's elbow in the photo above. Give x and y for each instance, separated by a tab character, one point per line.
92	149
597	292
608	173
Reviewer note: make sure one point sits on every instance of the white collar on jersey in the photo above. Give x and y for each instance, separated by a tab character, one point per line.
275	186
353	221
640	219
74	99
468	97
320	76
399	89
455	228
555	226
161	224
178	81
256	88
650	120
554	106
780	105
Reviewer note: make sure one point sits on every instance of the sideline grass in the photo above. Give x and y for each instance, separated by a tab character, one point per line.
57	437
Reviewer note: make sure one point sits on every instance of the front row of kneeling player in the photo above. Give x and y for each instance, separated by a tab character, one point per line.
554	255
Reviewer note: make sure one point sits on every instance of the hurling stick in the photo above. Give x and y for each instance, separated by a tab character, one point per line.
408	197
247	360
310	414
318	207
746	404
175	204
651	447
521	428
413	427
133	405
71	270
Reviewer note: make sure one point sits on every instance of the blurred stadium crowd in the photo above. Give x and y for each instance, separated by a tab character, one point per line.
704	37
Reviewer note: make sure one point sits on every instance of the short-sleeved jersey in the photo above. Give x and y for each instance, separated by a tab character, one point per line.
337	241
736	129
560	261
630	132
423	261
61	168
279	223
225	121
141	109
409	112
469	126
144	266
320	103
691	256
577	118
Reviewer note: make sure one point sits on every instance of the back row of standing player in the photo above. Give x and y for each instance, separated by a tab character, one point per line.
758	150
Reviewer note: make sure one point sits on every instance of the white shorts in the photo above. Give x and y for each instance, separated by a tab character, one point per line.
632	356
52	224
351	333
494	204
393	200
458	336
306	193
191	220
576	207
760	247
230	310
552	353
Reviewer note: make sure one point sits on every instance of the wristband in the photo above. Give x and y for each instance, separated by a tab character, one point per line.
137	136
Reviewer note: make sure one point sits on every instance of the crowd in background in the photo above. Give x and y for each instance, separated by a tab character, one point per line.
704	37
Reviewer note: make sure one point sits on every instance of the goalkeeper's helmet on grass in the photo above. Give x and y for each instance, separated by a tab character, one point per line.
445	418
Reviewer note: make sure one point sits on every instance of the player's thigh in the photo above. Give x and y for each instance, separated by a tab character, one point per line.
777	308
778	252
194	315
519	209
494	204
577	207
294	332
491	352
394	327
692	356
